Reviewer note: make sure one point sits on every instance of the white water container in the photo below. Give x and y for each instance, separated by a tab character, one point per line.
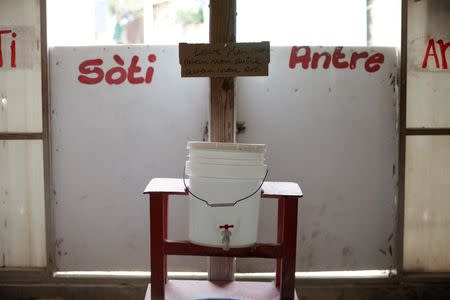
221	174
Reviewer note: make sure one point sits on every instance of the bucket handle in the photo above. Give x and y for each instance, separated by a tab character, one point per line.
222	204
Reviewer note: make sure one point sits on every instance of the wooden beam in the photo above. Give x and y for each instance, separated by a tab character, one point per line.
222	23
187	248
222	110
402	143
427	131
49	221
222	29
21	136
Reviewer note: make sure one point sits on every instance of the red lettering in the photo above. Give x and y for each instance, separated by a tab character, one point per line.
1	54
121	71
133	69
355	57
337	56
443	47
303	59
88	67
431	47
317	56
151	58
117	74
13	51
338	59
373	62
149	74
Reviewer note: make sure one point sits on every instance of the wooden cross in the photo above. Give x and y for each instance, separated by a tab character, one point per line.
222	60
222	28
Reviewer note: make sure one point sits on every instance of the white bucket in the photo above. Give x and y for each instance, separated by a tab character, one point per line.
221	174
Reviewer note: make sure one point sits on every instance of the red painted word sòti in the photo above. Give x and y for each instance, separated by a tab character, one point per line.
92	72
303	56
12	46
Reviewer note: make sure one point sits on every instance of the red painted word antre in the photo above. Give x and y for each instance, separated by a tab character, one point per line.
306	58
12	46
92	72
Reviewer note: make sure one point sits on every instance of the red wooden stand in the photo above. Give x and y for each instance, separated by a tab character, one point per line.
283	251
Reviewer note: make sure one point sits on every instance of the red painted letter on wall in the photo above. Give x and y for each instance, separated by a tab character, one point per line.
88	67
443	47
303	59
431	51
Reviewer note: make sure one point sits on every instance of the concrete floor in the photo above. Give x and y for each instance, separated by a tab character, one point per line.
112	292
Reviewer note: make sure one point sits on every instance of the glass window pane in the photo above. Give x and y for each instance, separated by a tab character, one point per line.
319	22
384	22
22	217
428	88
427	204
111	22
285	22
20	67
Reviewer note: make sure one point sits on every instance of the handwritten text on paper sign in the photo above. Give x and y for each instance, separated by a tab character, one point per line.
224	60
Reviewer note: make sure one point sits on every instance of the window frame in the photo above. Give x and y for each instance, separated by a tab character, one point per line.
405	131
33	274
47	274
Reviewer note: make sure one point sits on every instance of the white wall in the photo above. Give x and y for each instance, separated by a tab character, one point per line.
107	143
333	131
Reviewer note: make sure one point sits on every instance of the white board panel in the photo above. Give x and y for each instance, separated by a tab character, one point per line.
108	141
333	131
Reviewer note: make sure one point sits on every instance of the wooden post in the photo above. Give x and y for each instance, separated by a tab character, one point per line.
222	28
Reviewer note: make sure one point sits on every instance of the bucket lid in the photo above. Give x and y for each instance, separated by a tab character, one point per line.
238	147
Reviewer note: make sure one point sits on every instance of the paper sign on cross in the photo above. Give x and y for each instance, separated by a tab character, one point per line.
224	59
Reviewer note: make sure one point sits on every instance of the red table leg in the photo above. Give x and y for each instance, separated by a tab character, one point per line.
279	238
156	245
166	228
289	245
